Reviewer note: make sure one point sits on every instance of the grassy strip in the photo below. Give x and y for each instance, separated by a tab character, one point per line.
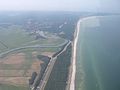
10	87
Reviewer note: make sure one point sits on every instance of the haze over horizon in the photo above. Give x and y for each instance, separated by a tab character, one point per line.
61	5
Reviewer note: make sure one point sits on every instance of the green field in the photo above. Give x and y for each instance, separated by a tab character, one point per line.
14	37
10	87
18	65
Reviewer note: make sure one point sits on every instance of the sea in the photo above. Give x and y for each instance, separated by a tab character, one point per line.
98	54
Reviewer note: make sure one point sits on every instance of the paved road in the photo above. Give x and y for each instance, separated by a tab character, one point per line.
49	70
34	46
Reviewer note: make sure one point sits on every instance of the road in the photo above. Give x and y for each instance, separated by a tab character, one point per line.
34	46
49	69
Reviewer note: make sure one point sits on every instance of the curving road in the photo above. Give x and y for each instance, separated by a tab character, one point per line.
34	46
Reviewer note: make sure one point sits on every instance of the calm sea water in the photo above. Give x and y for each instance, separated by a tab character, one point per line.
98	54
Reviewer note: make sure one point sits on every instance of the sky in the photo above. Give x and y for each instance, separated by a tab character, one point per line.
60	5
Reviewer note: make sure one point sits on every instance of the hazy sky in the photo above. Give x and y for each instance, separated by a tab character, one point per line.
66	5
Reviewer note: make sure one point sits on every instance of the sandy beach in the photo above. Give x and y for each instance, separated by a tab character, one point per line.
76	35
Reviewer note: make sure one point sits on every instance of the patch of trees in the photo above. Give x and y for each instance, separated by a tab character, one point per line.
32	79
46	60
59	75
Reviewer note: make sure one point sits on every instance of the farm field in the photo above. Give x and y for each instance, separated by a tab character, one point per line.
15	37
25	38
17	68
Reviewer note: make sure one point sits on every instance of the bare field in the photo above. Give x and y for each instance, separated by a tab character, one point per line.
11	73
49	54
15	81
16	69
14	59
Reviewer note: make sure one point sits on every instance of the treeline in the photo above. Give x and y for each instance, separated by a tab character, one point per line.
59	75
46	60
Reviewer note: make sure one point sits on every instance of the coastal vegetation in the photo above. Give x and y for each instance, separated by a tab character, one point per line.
59	75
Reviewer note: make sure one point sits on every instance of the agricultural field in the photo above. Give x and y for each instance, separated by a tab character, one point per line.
25	38
15	37
16	68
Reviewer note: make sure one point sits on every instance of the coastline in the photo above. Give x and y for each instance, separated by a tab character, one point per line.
73	66
76	34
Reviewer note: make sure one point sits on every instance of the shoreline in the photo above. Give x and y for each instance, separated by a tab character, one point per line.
76	34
